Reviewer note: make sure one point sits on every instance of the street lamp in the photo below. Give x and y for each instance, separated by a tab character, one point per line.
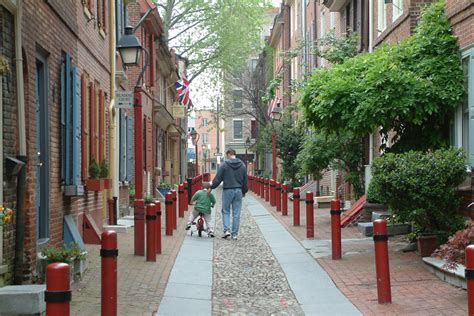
276	117
129	48
195	138
247	145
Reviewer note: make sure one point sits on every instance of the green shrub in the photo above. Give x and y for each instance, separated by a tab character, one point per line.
94	169
104	169
67	253
421	188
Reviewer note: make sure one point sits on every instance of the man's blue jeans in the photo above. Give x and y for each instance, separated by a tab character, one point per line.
231	197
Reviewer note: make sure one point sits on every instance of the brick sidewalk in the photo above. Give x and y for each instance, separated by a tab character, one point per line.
141	284
415	291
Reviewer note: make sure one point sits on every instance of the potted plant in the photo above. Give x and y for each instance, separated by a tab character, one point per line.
104	174
420	188
94	183
67	253
164	188
131	194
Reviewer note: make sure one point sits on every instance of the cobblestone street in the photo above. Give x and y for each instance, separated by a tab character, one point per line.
247	277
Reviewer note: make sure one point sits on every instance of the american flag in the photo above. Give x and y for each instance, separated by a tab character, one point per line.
182	88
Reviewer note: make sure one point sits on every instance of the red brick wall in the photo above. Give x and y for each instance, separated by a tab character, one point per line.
461	14
10	134
58	27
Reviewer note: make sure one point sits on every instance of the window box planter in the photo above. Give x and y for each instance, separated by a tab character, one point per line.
98	184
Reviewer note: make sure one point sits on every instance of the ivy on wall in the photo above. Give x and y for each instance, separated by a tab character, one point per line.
410	88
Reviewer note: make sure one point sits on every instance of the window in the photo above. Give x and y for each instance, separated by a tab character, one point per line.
397	9
253	129
205	139
204	122
238	129
120	18
463	126
323	24
381	16
102	15
237	99
126	146
333	20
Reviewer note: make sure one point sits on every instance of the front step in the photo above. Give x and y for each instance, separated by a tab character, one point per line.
22	300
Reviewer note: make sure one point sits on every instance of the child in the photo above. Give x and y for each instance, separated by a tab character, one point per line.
203	202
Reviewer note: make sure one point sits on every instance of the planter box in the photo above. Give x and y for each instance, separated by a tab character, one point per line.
453	277
80	267
99	184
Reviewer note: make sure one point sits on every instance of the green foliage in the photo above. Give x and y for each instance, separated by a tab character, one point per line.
164	185
409	88
67	253
290	136
94	169
337	50
421	188
104	169
4	66
148	199
320	151
215	35
131	189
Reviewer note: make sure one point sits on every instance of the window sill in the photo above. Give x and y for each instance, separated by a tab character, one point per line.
73	190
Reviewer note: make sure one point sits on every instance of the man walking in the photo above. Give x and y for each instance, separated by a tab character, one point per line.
234	175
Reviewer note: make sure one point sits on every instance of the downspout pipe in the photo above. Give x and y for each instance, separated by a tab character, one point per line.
21	184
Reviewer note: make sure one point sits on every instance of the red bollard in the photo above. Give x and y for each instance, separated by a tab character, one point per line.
169	213
186	193
109	253
381	261
158	226
174	215
139	229
272	193
58	294
181	200
296	207
284	200
267	190
150	233
469	274
278	196
251	184
336	229
309	215
261	188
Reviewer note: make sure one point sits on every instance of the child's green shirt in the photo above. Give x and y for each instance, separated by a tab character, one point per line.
203	201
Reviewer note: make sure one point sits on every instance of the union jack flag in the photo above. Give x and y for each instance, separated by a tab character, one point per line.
182	88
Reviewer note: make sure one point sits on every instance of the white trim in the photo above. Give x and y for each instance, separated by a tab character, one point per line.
381	16
397	9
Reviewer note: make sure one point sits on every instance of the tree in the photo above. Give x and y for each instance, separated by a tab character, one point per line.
215	35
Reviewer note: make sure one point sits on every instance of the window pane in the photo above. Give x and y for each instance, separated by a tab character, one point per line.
238	130
465	107
237	99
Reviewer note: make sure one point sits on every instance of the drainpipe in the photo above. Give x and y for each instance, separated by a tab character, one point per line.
21	184
113	131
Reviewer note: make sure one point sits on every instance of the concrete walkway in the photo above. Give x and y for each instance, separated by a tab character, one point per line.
312	286
189	288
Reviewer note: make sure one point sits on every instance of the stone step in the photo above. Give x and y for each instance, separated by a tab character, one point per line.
367	229
121	228
22	300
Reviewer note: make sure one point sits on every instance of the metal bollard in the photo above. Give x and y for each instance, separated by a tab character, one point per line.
261	189
169	213
158	226
381	261
109	253
296	207
58	294
272	193
336	229
174	215
309	215
186	193
139	231
278	196
150	233
469	274
181	200
267	190
252	183
284	200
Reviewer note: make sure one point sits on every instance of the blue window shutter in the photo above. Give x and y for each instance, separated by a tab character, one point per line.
63	123
68	97
76	127
119	17
129	148
123	146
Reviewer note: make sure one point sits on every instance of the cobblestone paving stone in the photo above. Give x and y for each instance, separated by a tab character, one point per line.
248	279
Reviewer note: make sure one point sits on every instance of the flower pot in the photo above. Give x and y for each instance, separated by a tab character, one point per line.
427	244
94	184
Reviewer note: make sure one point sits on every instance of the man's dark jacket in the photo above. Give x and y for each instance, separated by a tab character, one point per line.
234	175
